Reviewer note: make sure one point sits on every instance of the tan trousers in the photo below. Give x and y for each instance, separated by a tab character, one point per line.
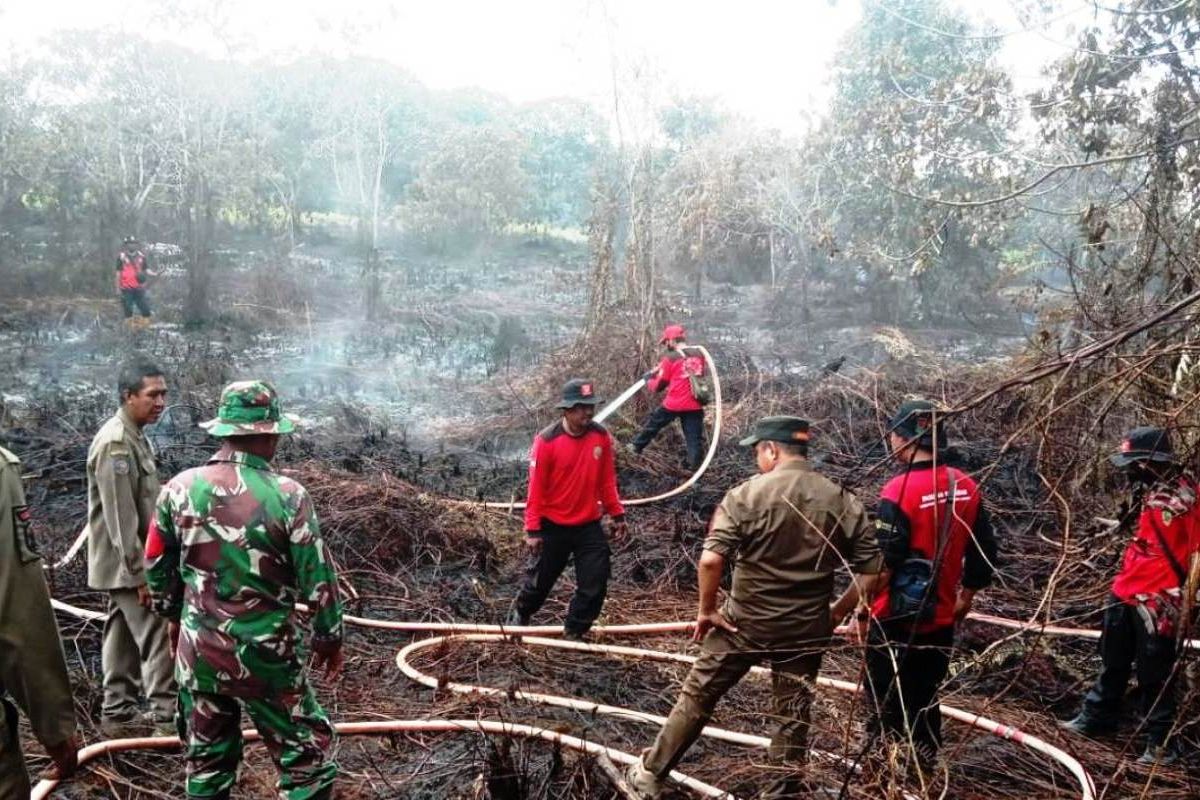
136	655
726	657
14	779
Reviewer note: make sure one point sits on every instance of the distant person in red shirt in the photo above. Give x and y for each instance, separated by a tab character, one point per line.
572	485
131	274
1141	622
938	545
674	374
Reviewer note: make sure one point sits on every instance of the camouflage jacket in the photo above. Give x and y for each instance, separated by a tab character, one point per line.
232	549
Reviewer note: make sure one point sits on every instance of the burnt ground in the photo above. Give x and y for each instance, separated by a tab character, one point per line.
437	398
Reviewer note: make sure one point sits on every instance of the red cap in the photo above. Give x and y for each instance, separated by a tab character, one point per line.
672	332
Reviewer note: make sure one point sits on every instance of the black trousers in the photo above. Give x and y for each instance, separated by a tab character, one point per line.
692	423
1125	642
904	672
588	546
135	299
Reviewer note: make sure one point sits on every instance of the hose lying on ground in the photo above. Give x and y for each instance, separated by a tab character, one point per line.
535	635
386	727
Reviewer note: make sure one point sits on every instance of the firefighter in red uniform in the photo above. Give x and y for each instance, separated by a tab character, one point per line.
572	484
674	374
131	274
938	544
1142	620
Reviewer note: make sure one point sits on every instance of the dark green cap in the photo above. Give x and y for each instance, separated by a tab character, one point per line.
915	420
791	430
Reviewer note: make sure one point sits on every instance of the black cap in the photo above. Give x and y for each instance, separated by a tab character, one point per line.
577	392
914	420
1144	444
791	430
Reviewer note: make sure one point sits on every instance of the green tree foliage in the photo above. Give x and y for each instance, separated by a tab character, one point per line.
1124	109
471	185
716	215
921	112
103	135
563	141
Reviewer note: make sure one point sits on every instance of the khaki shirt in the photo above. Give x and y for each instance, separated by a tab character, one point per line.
122	488
33	670
787	531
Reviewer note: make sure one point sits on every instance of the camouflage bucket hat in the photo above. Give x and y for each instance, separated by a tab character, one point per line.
247	408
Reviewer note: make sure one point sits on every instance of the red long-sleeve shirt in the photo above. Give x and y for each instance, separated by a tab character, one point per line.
673	376
1145	568
572	479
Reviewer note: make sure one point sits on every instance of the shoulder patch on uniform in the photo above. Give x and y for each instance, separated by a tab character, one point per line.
120	464
117	450
552	431
114	430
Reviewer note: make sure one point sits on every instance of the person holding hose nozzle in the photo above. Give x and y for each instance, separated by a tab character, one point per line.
683	377
939	548
786	530
572	485
1145	617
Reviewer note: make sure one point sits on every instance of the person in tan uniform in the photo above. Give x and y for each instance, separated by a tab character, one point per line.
787	530
33	670
123	486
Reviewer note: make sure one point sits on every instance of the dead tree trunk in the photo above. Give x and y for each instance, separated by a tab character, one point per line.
602	228
200	218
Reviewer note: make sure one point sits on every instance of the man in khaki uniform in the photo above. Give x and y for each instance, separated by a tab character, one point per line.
33	671
788	529
122	489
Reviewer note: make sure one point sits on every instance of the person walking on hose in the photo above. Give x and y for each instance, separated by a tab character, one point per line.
131	274
572	485
234	547
674	373
33	669
122	480
1142	621
787	530
930	522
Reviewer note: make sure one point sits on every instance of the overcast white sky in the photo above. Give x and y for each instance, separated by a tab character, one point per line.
765	59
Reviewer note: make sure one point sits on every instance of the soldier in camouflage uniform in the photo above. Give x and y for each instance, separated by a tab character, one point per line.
33	671
233	548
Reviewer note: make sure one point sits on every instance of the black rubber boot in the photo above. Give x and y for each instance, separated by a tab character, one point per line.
1086	723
